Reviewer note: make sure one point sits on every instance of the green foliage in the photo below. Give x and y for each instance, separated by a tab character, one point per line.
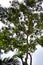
24	27
35	16
23	8
41	16
13	15
40	41
30	3
40	25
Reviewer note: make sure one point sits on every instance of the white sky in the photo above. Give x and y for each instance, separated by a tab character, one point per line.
38	55
5	3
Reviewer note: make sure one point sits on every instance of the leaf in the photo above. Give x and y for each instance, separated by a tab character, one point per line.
1	43
30	3
40	41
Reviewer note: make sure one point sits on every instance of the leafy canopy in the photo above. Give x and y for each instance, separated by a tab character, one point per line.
26	24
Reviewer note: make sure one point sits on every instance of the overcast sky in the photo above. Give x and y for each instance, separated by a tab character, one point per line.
38	54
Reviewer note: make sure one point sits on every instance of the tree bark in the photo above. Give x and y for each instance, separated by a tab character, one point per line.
26	52
27	55
0	53
27	58
30	58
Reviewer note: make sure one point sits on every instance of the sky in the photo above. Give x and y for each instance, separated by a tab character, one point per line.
5	3
37	56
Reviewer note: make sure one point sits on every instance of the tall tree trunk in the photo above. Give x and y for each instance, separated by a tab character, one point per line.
30	58
26	59
27	55
0	53
0	57
26	52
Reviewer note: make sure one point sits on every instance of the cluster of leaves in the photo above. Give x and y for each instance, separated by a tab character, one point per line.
24	26
30	3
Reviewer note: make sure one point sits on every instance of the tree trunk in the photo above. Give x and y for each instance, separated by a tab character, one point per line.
27	58
0	53
27	55
30	58
26	52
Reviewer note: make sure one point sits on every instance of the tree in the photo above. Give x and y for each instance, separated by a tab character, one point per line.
26	24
